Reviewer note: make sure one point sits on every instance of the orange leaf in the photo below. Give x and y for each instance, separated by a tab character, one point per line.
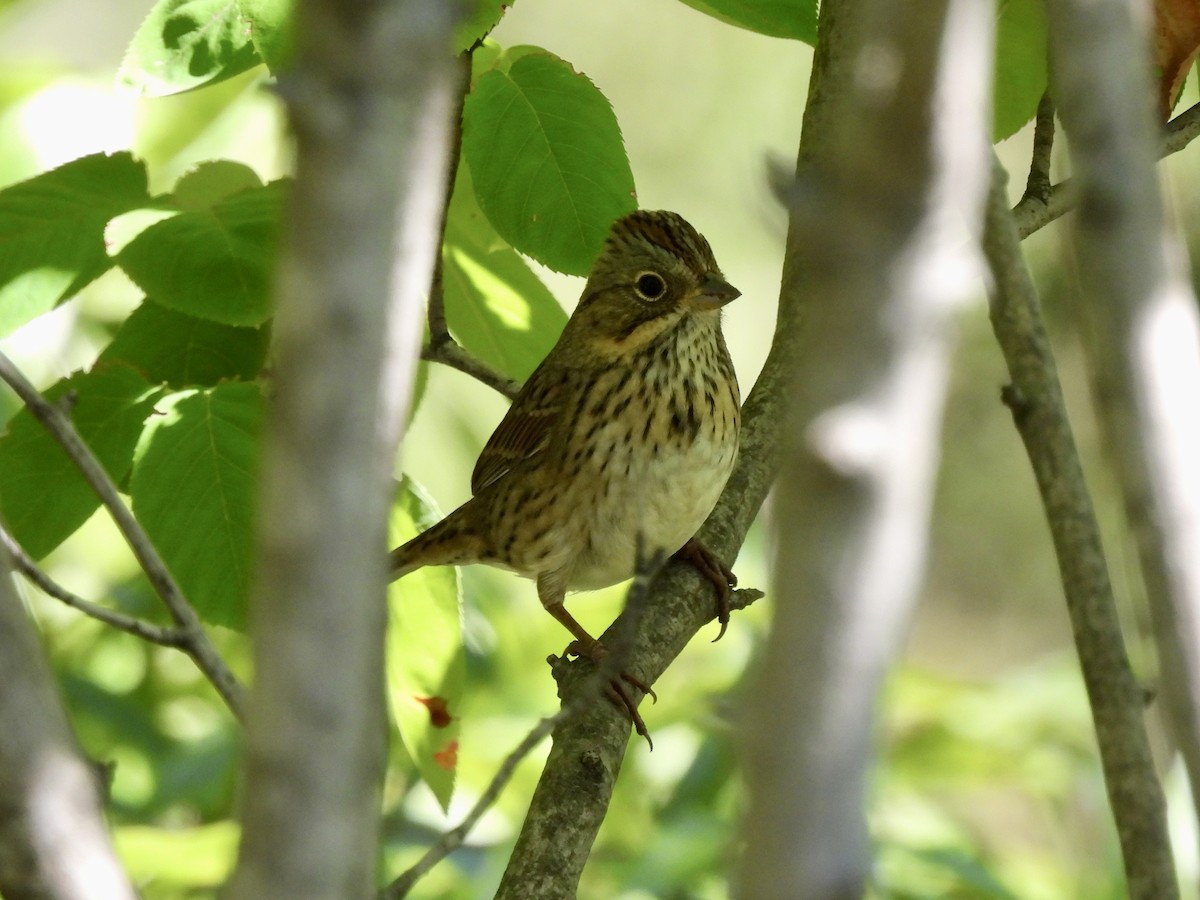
1176	43
447	757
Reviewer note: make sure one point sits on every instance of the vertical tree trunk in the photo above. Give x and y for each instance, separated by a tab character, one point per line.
370	98
1140	321
893	156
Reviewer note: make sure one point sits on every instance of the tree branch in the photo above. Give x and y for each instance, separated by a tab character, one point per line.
1034	213
1037	185
886	164
371	100
453	839
196	643
1035	399
449	352
147	631
1141	331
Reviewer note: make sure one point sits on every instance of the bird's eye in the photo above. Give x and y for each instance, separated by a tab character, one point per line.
650	285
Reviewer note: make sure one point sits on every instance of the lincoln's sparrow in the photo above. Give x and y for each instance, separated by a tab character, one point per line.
627	430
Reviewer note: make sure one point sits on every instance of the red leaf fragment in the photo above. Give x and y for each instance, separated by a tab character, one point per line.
439	714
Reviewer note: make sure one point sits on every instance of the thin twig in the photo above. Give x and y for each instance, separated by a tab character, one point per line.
439	330
452	354
1037	185
1034	213
147	631
196	643
453	839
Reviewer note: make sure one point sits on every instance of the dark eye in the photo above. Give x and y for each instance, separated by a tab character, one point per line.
650	285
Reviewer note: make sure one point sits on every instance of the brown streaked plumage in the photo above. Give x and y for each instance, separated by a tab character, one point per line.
628	428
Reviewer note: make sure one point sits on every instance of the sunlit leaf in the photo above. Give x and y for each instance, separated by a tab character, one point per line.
181	860
271	29
52	231
426	664
194	490
547	160
43	498
495	305
184	44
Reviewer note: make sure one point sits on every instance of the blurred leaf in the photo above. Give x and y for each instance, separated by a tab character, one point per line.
495	305
52	231
1021	56
426	663
271	29
185	44
479	22
43	498
174	863
795	19
215	263
183	351
547	160
194	489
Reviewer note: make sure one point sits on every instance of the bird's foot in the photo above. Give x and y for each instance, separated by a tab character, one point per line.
616	689
712	568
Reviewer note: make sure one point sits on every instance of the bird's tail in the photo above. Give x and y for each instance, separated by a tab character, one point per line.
451	542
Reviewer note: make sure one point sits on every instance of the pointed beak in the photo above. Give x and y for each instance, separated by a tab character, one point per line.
714	293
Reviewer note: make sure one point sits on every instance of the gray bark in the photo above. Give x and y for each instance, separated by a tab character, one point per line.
1139	317
892	164
370	100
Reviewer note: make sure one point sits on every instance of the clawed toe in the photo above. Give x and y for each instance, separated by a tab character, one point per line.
615	689
714	569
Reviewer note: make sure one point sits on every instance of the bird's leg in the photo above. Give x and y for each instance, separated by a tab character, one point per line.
712	568
586	645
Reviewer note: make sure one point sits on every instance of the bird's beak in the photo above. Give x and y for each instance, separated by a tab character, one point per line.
713	294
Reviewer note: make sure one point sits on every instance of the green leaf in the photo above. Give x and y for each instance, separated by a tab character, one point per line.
183	351
496	306
479	22
52	231
185	44
1021	77
547	160
212	181
271	29
795	19
43	498
194	491
215	263
426	663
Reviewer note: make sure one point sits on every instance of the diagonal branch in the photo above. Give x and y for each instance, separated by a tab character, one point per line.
451	353
147	631
196	645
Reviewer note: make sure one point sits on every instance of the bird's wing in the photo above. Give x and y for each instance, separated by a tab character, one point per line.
526	429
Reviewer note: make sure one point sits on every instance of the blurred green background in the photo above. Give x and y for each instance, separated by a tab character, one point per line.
988	784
